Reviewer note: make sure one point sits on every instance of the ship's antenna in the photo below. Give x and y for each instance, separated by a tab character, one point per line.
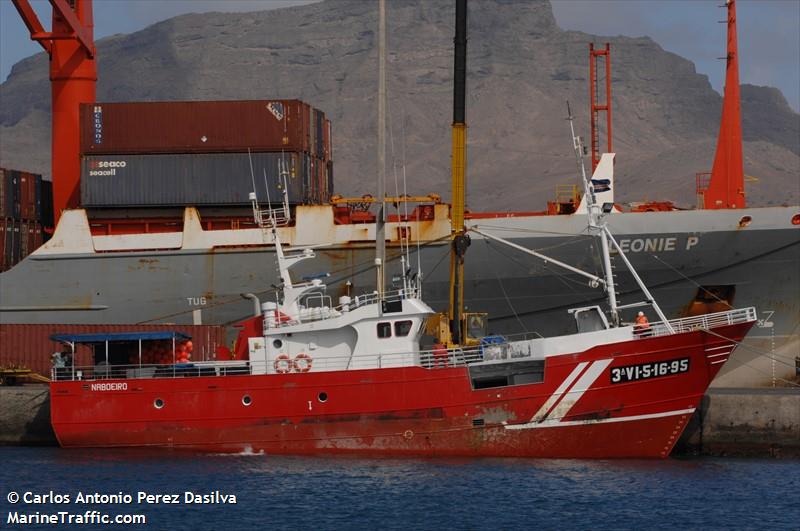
380	219
598	226
269	200
254	198
596	223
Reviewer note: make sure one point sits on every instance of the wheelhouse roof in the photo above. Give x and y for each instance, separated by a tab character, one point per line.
118	336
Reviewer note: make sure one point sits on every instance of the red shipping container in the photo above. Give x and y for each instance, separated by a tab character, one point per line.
30	346
24	239
27	195
327	140
38	236
195	127
3	222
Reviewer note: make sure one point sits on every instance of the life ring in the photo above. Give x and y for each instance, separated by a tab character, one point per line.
283	364
302	362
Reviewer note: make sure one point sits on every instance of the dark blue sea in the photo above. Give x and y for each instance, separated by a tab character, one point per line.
348	493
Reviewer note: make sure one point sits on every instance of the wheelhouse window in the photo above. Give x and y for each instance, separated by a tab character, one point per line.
402	328
384	330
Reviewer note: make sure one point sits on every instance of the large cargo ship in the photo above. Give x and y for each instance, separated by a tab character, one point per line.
198	272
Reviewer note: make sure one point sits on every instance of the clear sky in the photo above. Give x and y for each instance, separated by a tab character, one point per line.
769	30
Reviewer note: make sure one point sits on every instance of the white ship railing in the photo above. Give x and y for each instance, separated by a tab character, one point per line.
427	359
699	322
323	310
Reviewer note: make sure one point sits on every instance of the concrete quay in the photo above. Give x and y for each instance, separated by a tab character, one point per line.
730	422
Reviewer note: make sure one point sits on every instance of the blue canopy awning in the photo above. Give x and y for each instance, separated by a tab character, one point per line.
118	336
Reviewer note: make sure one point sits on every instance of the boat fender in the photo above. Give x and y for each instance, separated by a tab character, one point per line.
302	362
283	364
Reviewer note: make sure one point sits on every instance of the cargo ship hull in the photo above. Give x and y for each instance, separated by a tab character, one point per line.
707	261
583	407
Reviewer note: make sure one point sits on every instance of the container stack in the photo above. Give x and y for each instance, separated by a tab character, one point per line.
26	207
157	154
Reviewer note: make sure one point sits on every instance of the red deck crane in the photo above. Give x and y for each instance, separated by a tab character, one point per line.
73	77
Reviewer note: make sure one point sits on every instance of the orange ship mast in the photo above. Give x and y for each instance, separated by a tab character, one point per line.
73	77
726	187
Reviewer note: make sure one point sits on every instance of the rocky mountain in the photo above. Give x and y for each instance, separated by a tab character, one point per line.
521	70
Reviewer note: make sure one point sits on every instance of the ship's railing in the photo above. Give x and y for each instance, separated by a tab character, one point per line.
318	306
427	359
373	298
699	322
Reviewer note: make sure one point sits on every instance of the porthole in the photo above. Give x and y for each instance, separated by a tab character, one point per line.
158	403
246	400
277	343
322	397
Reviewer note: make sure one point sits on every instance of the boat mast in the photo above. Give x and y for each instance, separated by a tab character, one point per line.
726	187
459	239
596	224
380	220
598	227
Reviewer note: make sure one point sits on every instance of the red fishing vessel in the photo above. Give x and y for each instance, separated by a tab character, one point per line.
624	396
360	377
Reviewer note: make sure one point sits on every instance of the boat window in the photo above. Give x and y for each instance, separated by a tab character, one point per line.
384	330
590	320
402	328
476	326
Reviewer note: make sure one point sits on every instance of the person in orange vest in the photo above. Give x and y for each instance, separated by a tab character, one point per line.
642	324
440	355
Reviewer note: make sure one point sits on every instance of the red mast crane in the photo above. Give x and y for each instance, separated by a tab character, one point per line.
596	106
73	76
726	187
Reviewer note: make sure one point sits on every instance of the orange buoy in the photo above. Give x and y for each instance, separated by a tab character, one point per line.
283	364
303	362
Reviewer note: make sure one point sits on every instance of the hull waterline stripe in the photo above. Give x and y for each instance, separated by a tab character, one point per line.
632	418
556	396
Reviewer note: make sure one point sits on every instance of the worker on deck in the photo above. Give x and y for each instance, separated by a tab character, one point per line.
642	325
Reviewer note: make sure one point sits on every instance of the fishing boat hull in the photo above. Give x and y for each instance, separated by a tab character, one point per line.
625	399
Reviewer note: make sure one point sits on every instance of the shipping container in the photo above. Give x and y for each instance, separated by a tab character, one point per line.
46	196
10	204
13	247
4	208
3	222
196	127
193	179
30	346
38	236
27	192
20	195
24	239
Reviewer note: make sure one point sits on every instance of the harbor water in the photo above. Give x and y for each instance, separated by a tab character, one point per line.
179	490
